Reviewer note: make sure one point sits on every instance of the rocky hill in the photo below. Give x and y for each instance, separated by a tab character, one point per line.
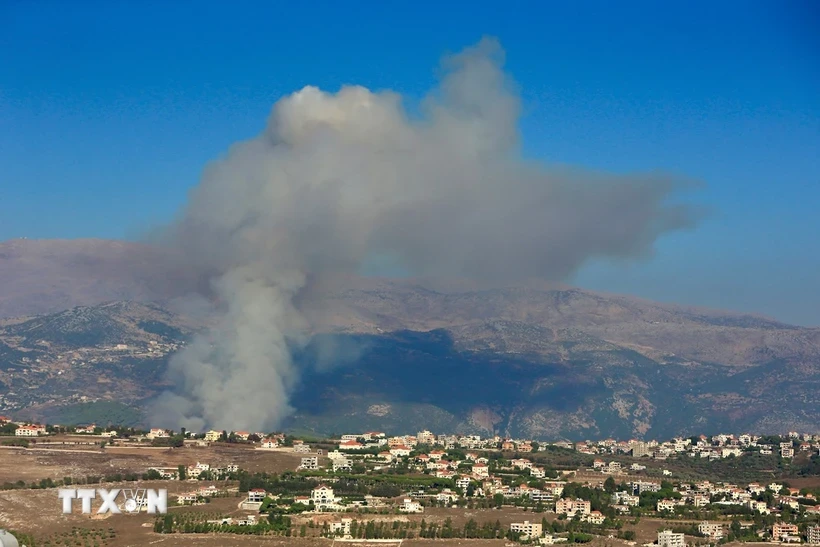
535	360
116	351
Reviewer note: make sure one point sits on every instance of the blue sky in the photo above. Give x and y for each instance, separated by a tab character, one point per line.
109	111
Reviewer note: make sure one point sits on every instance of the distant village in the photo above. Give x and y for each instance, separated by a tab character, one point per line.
486	473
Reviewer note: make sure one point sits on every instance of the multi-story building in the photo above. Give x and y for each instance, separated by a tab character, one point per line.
310	463
667	505
639	487
425	437
813	535
712	530
668	538
341	528
481	471
627	499
757	506
781	531
410	506
700	500
527	529
572	507
256	495
301	448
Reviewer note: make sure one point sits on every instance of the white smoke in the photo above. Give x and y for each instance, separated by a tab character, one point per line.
336	179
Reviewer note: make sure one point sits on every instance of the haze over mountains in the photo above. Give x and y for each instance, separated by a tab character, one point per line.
538	361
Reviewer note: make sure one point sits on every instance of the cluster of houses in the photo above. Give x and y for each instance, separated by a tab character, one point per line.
200	495
704	493
372	439
713	448
781	532
196	471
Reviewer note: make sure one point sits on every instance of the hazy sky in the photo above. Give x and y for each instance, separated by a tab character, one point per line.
109	111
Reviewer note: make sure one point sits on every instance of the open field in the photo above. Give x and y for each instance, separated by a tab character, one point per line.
34	464
38	512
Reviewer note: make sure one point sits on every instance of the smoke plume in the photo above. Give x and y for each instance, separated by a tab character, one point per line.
336	179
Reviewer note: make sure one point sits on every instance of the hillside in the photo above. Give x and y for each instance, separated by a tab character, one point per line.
527	319
541	361
116	351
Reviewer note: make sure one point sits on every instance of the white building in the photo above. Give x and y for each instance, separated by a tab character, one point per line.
813	535
309	463
400	451
256	495
667	505
30	431
301	448
481	471
157	433
712	530
446	496
324	499
341	528
668	538
410	506
341	464
463	483
269	444
758	506
627	499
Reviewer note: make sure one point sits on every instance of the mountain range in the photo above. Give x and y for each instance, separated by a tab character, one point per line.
535	360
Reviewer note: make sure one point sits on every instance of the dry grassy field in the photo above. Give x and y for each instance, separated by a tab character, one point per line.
38	512
34	464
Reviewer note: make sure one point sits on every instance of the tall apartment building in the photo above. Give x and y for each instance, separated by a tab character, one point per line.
640	449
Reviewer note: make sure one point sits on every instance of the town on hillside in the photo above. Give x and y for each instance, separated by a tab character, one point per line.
701	490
